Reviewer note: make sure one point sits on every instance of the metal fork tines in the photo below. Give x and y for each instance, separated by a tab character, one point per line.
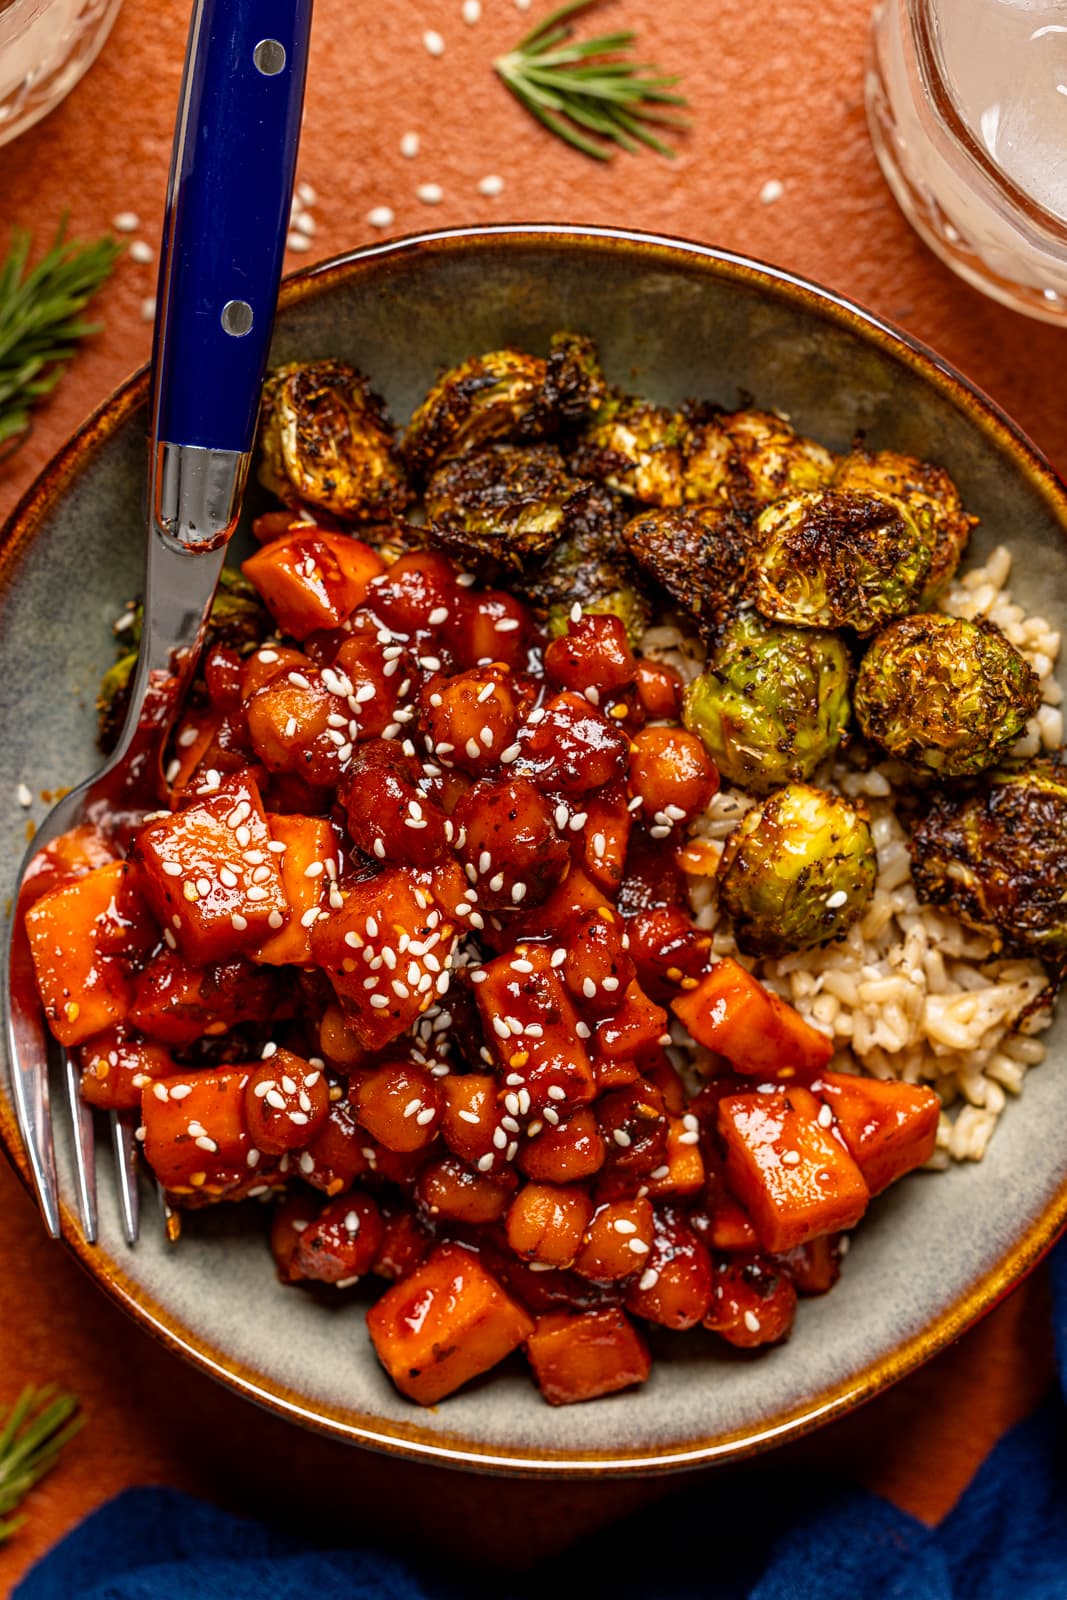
124	1145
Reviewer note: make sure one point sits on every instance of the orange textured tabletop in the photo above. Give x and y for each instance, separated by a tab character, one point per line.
777	93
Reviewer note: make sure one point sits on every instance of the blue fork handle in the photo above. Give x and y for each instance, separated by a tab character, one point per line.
228	204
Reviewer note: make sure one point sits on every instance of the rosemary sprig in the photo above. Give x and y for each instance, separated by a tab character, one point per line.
40	326
32	1434
590	93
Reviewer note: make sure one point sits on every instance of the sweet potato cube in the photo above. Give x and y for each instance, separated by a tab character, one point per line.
890	1128
390	912
211	876
196	1136
445	1323
732	1013
637	1025
793	1175
85	940
73	854
531	1024
582	1357
310	579
308	866
682	1170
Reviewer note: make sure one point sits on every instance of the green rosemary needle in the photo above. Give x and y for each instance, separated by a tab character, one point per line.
590	93
32	1434
40	326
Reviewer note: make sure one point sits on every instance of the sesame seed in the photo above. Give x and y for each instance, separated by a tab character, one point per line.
485	1162
307	1162
836	900
380	217
275	920
752	1322
180	1091
558	958
238	922
379	1001
622	1138
204	1143
583	1030
431	194
172	869
125	222
518	892
297	241
160	1091
638	1246
507	625
791	1158
491	185
588	988
433	42
624	1225
660	1172
659	832
579	820
273	1098
826	1117
140	251
409	145
648	1279
772	190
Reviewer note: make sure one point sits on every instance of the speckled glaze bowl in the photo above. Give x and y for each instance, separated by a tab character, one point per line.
673	320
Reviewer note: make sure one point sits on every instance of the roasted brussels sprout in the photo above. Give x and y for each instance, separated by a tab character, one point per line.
944	695
772	702
574	383
750	458
997	858
797	871
827	559
486	398
326	441
929	495
498	509
589	566
504	395
698	554
635	448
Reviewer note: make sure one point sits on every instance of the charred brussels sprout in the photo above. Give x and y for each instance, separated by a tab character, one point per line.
944	695
797	871
698	554
326	441
750	458
997	858
834	560
929	495
589	566
497	509
635	448
772	702
491	397
574	383
506	396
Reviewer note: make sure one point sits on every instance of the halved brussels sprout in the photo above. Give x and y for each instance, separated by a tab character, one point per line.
504	395
501	507
698	554
997	858
928	493
772	702
490	397
590	566
635	448
326	441
829	559
797	871
944	695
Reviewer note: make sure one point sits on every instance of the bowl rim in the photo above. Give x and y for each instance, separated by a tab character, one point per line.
411	1441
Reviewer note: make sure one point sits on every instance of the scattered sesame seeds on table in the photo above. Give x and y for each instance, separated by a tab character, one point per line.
385	117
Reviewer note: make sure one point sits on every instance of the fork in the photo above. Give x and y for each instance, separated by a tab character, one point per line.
227	215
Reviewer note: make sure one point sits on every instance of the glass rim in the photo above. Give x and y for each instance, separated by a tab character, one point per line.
946	109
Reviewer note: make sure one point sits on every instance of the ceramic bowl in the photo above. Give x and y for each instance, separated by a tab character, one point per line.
673	320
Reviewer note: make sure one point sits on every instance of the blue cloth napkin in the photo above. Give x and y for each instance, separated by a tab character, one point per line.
807	1540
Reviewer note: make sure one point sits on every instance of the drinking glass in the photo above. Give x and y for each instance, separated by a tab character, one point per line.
45	46
967	105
